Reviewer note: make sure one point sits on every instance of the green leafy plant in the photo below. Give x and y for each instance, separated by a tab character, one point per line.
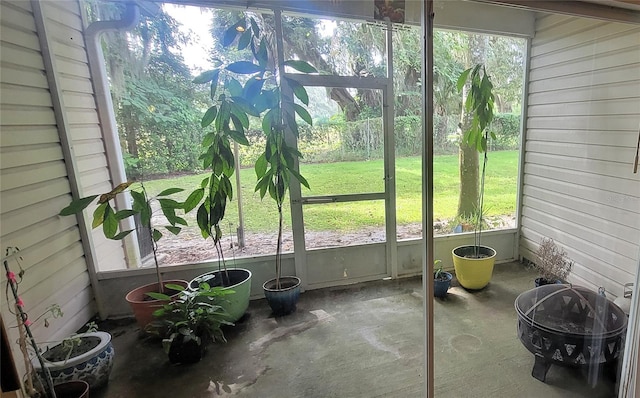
107	216
195	315
242	90
480	104
438	273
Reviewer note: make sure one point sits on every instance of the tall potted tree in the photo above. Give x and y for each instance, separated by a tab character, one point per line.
253	88
109	218
473	264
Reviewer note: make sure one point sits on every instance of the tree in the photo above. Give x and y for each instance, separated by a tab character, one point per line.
154	99
476	53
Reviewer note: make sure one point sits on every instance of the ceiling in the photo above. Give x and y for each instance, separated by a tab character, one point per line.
628	4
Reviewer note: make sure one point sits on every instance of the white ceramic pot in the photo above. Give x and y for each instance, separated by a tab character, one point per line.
92	366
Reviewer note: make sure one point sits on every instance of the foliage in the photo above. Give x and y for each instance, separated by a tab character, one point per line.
106	215
438	273
240	90
154	100
194	313
553	262
507	129
479	103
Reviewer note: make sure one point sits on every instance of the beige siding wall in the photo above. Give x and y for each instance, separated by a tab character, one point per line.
33	175
582	129
64	29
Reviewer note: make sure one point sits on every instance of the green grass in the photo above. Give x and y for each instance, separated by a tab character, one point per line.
364	177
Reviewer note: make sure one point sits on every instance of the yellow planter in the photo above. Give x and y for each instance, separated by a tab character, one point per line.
473	273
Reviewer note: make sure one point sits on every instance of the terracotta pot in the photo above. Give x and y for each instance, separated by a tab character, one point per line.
143	306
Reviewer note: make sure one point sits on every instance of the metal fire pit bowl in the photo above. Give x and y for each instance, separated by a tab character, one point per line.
569	326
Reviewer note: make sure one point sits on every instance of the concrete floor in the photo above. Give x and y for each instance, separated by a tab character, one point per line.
362	340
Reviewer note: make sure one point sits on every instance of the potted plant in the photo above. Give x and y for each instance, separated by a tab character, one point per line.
441	280
240	90
474	263
84	356
228	118
192	319
39	380
278	163
552	263
108	217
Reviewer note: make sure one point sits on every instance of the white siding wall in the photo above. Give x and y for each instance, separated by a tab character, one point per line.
64	29
33	175
582	129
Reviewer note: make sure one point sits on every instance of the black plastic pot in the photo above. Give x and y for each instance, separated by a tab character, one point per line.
189	351
282	300
542	281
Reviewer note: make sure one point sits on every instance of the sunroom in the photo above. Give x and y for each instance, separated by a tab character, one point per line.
576	180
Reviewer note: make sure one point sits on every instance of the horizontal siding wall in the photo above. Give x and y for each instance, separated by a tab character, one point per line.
34	185
582	129
65	32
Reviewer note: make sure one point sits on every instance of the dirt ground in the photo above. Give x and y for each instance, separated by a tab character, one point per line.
189	246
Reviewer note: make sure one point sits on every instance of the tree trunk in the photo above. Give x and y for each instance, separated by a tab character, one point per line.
468	199
468	157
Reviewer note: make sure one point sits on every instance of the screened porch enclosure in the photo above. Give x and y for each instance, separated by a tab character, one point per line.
576	184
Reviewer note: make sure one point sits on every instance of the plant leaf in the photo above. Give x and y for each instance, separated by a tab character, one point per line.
244	67
173	230
244	40
156	235
173	286
299	91
77	205
238	137
463	79
209	116
254	27
261	166
300	66
98	215
170	191
303	113
192	201
159	296
121	235
230	34
109	222
122	214
206	77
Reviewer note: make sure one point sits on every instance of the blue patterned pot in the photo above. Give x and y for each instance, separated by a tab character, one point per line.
93	366
282	300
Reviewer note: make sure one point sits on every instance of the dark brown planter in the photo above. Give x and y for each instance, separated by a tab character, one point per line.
72	389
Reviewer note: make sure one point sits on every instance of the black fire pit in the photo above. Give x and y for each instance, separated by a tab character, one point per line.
569	326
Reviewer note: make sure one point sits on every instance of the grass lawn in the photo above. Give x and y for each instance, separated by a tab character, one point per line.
364	177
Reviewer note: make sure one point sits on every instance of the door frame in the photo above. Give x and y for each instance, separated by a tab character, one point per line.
297	201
